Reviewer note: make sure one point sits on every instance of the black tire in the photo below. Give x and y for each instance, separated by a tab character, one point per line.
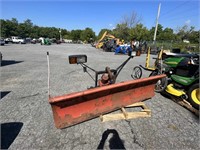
113	49
161	84
137	73
153	73
193	95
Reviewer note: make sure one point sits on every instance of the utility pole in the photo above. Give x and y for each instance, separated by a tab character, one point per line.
154	38
60	34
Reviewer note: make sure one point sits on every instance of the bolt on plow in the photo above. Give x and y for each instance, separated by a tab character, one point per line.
106	95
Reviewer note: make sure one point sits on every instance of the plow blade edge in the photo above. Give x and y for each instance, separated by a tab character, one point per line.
74	108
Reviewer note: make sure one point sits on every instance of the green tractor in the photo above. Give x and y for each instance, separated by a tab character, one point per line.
183	80
45	41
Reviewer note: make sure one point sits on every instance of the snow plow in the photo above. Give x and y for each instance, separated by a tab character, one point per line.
105	97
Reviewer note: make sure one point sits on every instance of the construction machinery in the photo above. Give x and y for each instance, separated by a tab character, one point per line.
108	41
45	41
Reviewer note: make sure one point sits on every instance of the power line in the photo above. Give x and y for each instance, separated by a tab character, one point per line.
185	16
175	8
188	11
180	20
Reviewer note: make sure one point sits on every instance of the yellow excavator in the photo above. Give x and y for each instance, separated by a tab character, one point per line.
106	35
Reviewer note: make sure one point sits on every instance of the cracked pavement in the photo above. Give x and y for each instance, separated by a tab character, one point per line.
26	116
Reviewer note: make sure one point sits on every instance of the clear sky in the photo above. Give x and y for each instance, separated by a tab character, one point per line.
99	14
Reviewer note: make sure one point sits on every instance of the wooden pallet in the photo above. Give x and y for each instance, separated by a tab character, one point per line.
185	104
145	112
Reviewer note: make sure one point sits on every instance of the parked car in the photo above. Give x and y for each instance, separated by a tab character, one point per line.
28	40
19	40
8	40
33	41
2	41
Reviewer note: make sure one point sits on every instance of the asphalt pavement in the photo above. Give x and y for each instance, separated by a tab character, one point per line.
26	116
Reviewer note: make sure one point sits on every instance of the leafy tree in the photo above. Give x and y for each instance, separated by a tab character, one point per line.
193	37
121	31
65	34
87	35
166	35
128	28
53	32
184	32
43	32
24	29
14	21
75	35
8	27
139	32
28	23
159	31
3	28
35	32
21	30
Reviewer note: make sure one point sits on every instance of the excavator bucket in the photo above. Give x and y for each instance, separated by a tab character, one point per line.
74	108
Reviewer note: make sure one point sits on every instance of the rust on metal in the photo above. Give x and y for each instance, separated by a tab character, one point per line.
74	108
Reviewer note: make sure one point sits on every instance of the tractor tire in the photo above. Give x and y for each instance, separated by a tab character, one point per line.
137	73
161	84
194	95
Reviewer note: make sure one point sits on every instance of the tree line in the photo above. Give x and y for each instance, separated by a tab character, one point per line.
28	30
130	27
141	33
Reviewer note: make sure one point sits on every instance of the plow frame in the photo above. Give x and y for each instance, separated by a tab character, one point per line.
114	71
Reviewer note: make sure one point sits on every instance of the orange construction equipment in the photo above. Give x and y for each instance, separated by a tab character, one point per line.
74	108
109	36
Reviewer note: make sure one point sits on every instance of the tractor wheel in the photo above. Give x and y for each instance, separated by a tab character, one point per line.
193	95
137	73
161	84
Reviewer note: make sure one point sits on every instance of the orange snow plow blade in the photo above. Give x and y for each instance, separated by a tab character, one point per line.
74	108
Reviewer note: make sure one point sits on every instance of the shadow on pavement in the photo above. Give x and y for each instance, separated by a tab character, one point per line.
115	141
9	132
4	93
9	62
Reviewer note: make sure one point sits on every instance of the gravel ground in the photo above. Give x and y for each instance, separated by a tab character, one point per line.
26	116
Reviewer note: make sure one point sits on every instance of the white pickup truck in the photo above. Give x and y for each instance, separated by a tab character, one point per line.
16	39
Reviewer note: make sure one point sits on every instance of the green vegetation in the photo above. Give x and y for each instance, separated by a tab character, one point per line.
27	29
166	38
169	45
126	30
